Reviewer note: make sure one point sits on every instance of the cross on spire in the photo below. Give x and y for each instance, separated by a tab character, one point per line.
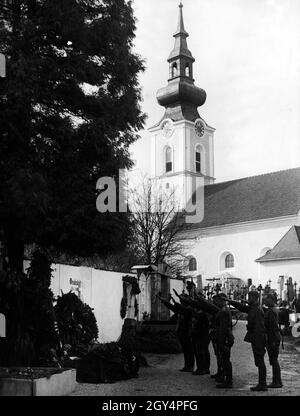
180	28
180	49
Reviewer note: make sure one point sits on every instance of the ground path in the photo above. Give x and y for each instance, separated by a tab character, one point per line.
162	378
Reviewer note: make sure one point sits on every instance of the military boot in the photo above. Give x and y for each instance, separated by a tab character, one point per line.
262	380
259	387
220	378
227	384
276	382
197	373
186	370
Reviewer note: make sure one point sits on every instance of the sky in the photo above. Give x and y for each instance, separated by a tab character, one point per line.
247	60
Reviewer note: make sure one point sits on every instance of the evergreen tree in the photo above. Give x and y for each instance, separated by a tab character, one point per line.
27	302
69	109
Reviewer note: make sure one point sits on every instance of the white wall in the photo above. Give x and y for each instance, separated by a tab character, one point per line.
272	270
177	285
107	292
101	290
77	279
245	242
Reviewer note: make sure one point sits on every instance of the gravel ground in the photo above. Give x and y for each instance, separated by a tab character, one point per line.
163	379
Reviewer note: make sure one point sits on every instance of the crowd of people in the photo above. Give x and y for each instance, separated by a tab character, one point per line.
201	321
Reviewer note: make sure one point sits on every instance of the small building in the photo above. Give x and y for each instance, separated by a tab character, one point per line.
283	260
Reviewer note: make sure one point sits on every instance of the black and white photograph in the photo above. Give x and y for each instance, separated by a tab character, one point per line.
149	201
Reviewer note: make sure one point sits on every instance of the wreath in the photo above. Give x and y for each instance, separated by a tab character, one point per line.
76	322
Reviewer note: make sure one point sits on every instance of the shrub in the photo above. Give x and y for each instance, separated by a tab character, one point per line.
107	363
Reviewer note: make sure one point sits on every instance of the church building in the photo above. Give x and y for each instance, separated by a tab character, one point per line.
251	226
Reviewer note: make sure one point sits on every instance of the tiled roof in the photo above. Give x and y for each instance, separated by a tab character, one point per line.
254	198
287	248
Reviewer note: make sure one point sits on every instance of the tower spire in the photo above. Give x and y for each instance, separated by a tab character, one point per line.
181	97
180	27
180	47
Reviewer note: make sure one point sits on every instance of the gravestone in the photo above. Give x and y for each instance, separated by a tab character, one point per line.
199	283
153	280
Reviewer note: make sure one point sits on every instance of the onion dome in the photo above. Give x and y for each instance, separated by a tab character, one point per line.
181	97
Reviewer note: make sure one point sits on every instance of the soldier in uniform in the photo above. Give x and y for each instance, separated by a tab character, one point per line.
256	335
224	341
213	325
223	338
273	339
184	317
296	304
199	334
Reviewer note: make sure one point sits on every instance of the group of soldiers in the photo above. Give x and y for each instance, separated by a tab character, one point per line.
201	321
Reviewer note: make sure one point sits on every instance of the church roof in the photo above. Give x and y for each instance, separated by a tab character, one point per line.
254	198
288	247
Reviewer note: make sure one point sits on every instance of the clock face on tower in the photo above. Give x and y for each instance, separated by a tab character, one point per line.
199	128
167	128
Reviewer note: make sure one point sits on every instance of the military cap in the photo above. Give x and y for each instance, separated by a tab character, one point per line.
221	296
254	294
270	296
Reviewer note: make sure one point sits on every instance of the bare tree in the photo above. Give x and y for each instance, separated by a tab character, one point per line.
157	223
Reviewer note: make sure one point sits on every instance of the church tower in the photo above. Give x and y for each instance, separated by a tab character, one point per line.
182	143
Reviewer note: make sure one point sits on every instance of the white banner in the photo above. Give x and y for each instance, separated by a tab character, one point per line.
2	66
2	326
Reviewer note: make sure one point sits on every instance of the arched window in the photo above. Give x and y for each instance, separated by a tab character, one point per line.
198	159
169	164
229	261
192	264
174	70
187	70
